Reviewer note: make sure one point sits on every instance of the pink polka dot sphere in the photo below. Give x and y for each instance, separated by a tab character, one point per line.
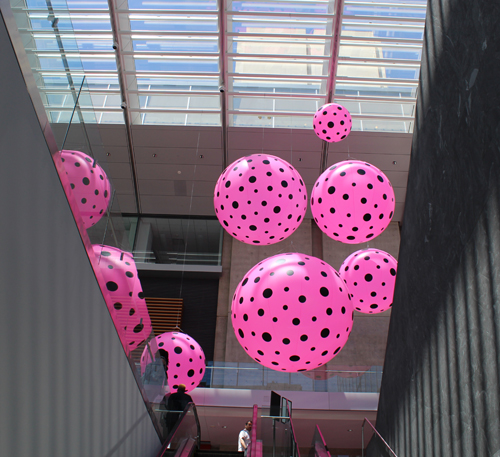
89	184
123	295
260	199
332	122
352	202
186	359
370	275
292	312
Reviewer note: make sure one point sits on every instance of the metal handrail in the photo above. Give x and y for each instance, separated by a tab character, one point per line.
379	435
294	440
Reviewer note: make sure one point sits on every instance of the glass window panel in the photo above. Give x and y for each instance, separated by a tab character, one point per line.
283	86
164	118
59	100
110	118
318	7
113	101
382	30
279	25
174	24
372	71
203	119
202	5
239	120
208	65
279	46
165	101
177	45
384	125
84	4
378	10
375	90
262	66
204	102
395	109
376	51
297	105
276	104
176	83
292	122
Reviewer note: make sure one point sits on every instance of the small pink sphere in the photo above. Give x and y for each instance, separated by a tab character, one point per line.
89	185
292	312
370	275
332	122
352	202
260	199
186	359
123	294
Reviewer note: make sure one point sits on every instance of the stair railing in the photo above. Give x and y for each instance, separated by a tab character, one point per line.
378	434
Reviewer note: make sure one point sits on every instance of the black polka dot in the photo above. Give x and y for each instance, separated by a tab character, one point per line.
245	317
329	311
242	335
324	353
380	178
368	277
118	305
393	272
324	291
190	373
286	341
267	293
296	321
325	332
86	181
260	312
345	197
302	299
294	358
266	337
337	350
361	171
112	286
252	179
303	338
276	209
343	310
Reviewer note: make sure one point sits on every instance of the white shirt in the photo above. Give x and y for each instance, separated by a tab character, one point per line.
246	439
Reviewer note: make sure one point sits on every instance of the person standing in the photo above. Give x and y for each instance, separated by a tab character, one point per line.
244	438
174	404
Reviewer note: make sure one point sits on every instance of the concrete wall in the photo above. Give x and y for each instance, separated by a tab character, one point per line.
366	344
440	392
66	387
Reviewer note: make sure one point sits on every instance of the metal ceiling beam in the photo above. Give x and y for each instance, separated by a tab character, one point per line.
125	101
223	89
330	88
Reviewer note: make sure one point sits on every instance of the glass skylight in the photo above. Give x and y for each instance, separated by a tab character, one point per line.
275	59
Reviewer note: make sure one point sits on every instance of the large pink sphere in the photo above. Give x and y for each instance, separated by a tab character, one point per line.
123	294
260	199
186	359
332	122
89	184
292	312
370	275
352	202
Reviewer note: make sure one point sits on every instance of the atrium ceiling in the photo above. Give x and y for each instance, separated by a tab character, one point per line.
180	89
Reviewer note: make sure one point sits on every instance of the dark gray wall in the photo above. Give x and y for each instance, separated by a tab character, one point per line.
66	388
199	309
440	392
